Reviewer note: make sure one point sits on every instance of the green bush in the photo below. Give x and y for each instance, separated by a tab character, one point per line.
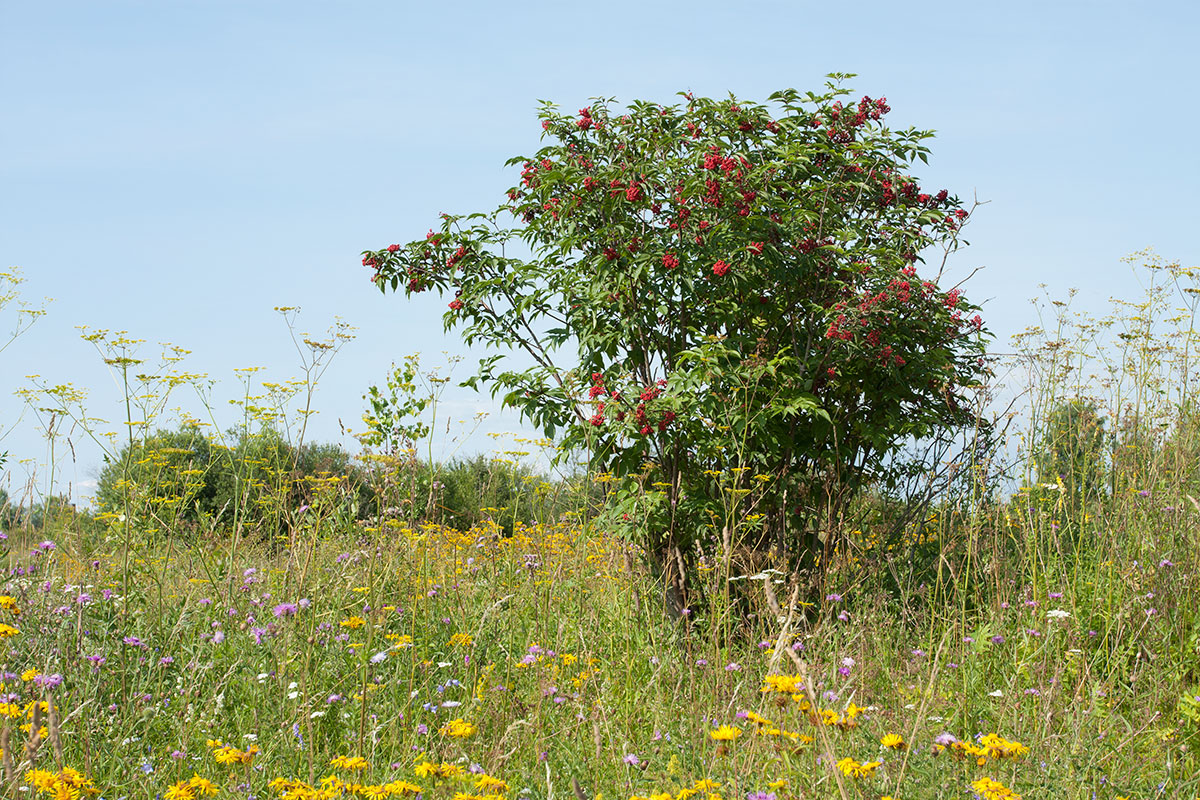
727	292
182	479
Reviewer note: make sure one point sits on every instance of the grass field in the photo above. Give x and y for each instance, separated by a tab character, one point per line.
1037	641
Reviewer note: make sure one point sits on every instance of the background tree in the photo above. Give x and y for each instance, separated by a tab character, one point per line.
1072	451
721	300
259	480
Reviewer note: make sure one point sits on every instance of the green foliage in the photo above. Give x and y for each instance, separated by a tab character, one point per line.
1072	451
394	421
713	286
469	491
184	478
37	515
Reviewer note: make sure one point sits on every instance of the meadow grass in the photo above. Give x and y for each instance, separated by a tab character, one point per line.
1035	640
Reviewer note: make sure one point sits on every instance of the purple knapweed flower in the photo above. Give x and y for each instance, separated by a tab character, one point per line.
49	681
286	610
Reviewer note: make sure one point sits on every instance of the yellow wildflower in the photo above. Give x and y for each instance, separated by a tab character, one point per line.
180	790
995	746
350	763
894	741
853	769
783	684
42	780
725	733
458	729
990	789
403	788
353	622
203	786
489	784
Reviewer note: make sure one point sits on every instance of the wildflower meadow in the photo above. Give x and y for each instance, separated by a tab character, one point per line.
796	527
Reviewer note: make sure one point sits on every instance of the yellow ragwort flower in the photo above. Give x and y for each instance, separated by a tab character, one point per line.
725	733
783	684
180	790
350	762
457	728
852	769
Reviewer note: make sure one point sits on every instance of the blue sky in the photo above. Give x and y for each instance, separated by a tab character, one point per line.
178	169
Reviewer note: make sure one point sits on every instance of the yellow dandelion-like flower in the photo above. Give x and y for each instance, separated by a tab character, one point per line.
180	790
350	762
29	675
353	622
487	783
990	789
42	780
725	733
461	640
457	728
756	719
402	788
894	741
226	754
995	746
374	792
853	769
73	777
783	684
203	786
64	791
331	785
443	770
9	604
7	630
